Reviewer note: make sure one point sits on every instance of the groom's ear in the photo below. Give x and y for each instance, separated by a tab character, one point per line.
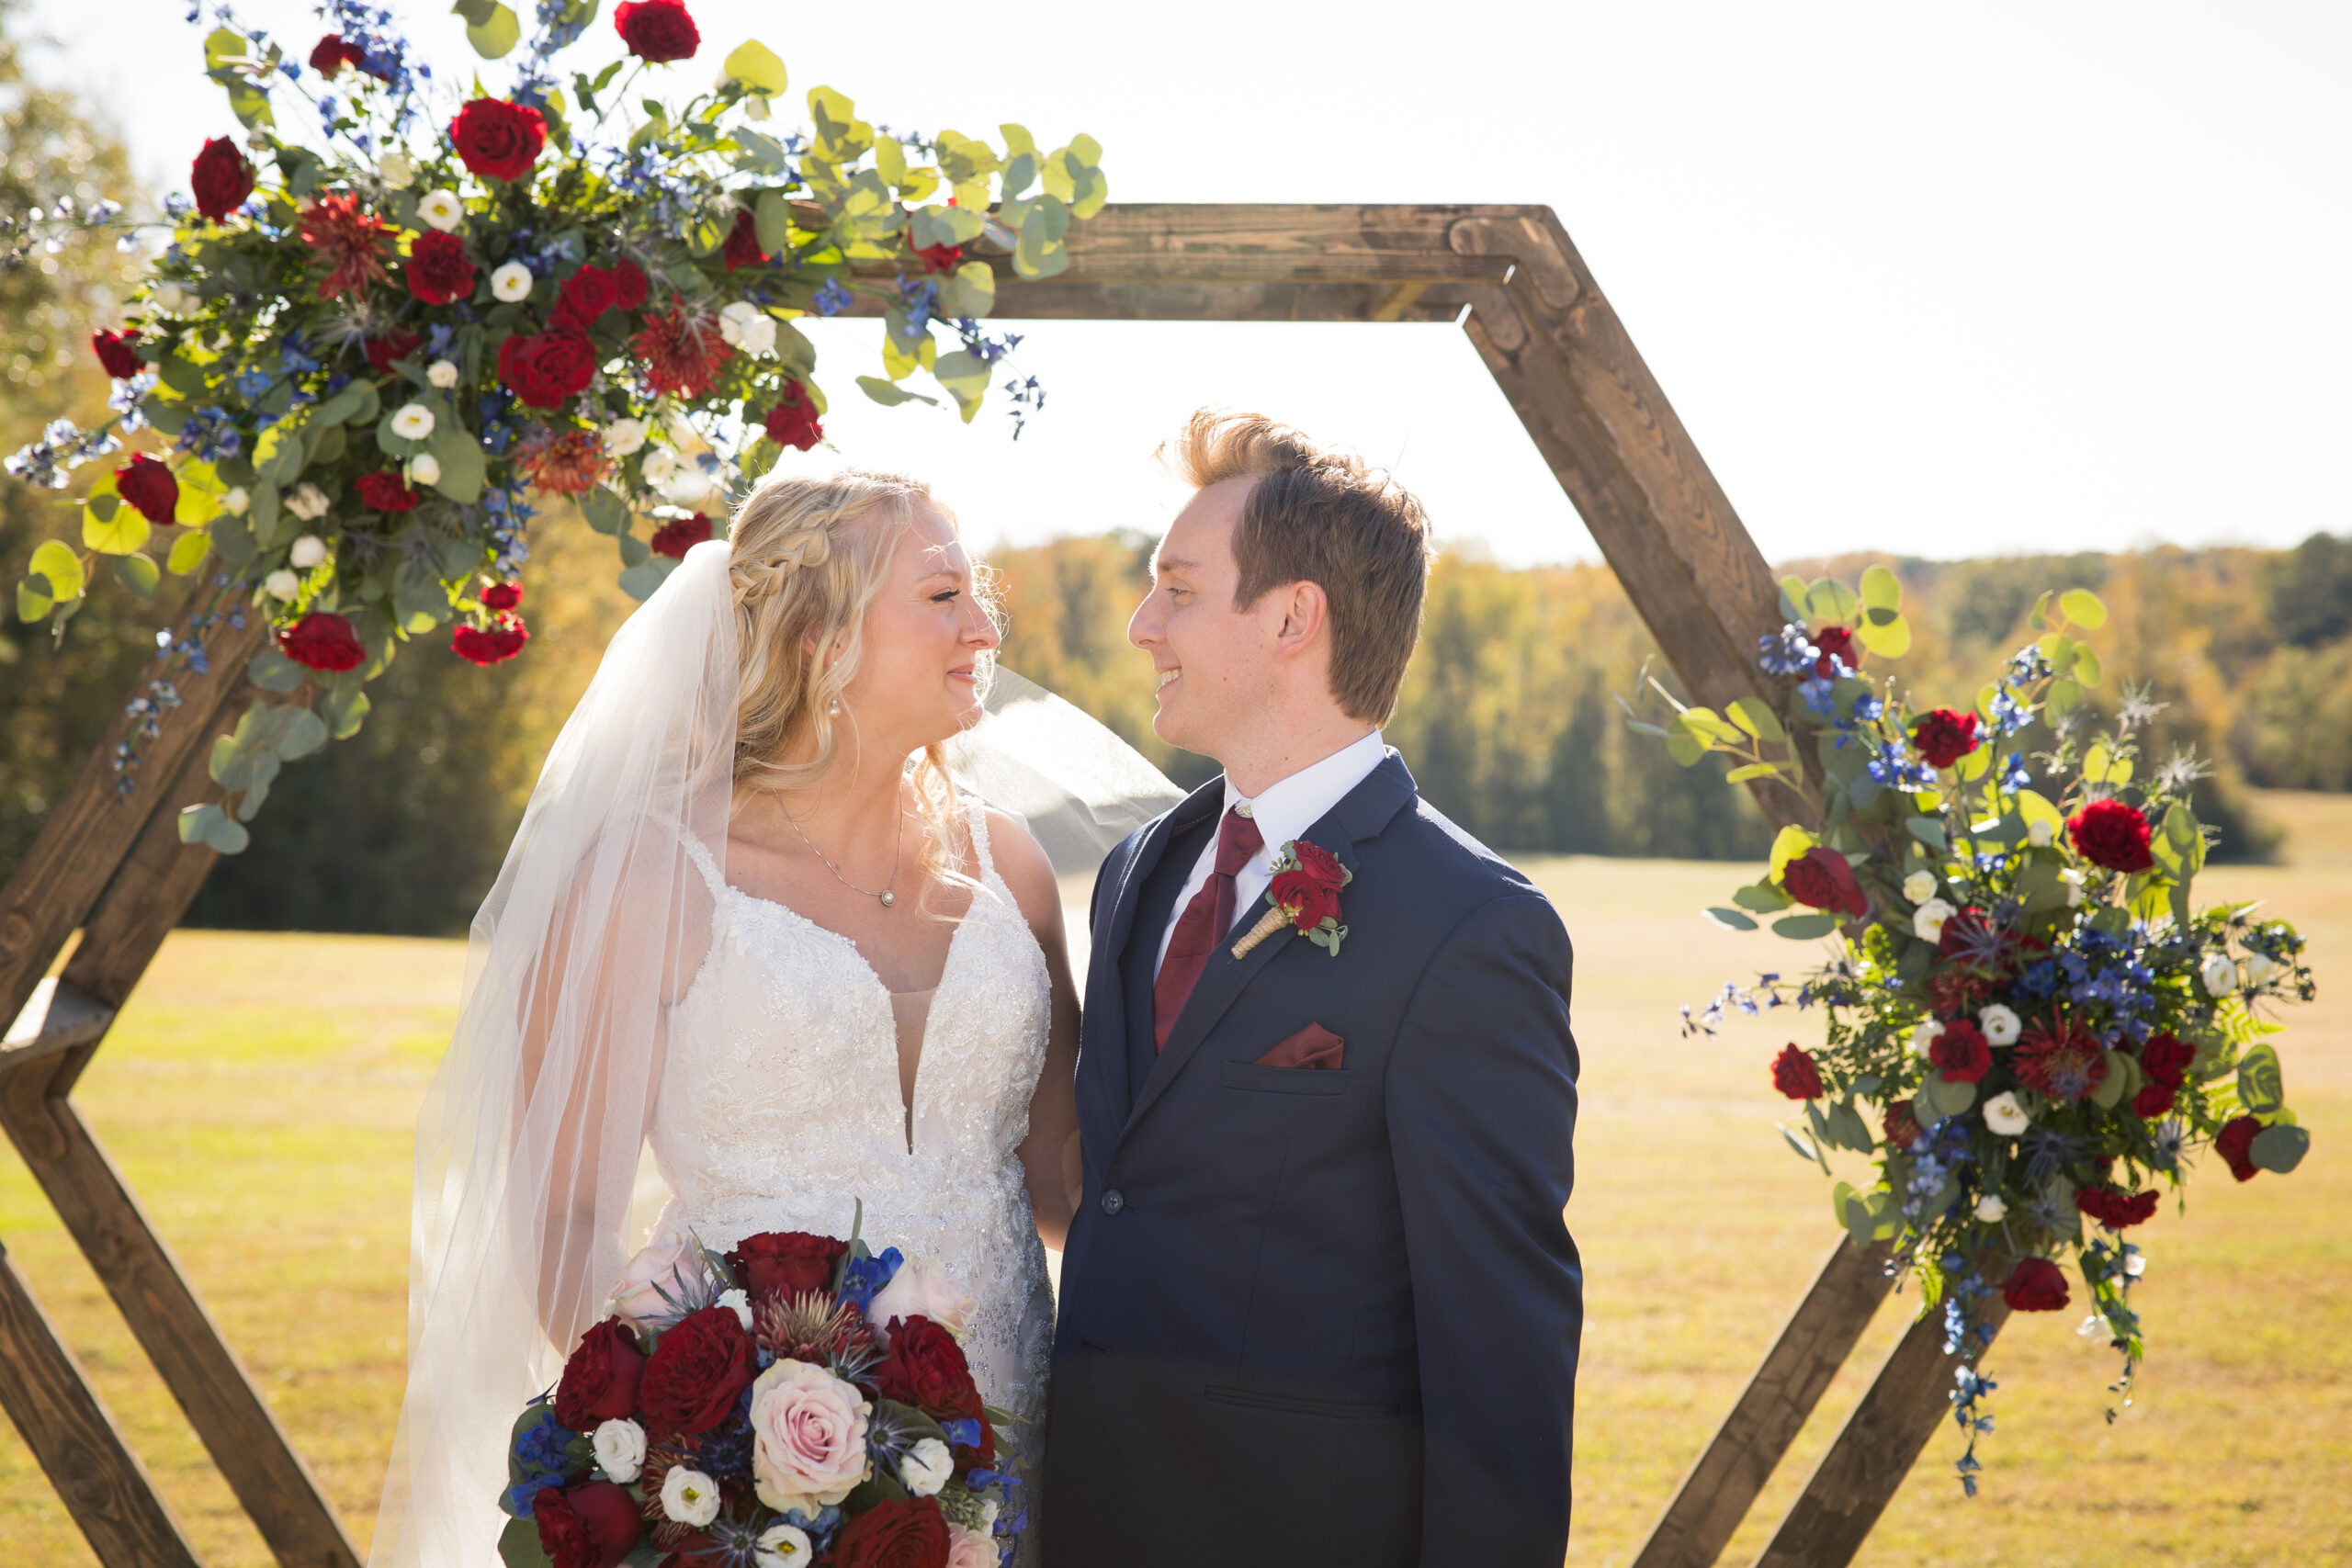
1306	617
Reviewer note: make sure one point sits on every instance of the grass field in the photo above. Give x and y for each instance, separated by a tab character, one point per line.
260	1090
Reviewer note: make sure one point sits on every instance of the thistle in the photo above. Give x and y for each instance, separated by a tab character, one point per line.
818	1330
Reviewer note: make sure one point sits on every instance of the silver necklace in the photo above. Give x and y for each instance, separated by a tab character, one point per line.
889	899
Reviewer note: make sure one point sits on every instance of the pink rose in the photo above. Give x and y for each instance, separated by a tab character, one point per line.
920	1289
969	1548
808	1436
668	1265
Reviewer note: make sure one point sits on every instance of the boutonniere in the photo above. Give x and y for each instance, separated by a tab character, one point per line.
1305	894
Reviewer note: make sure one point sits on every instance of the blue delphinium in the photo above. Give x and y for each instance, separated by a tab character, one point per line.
862	1276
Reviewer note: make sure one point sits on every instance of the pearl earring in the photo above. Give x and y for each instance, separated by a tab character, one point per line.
834	708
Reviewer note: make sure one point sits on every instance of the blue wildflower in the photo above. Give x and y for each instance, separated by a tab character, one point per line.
861	1277
833	299
1789	652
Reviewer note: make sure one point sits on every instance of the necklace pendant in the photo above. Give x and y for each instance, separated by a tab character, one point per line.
889	899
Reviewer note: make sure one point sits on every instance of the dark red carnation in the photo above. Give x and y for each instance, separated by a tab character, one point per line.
926	1369
682	350
385	491
600	1380
1835	642
657	31
2110	833
385	349
2166	1059
2154	1100
1963	1052
593	1525
492	644
674	539
1824	879
501	596
149	487
897	1532
331	54
349	242
1795	1074
115	352
1901	1128
784	1263
2116	1211
2034	1285
629	283
743	247
321	641
545	368
940	258
1311	890
697	1369
1944	736
221	179
2059	1057
498	141
2235	1145
585	295
439	271
793	421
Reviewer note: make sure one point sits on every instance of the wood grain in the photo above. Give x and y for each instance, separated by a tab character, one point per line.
59	1016
148	894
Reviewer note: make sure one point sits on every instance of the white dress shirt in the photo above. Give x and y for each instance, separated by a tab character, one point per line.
1283	811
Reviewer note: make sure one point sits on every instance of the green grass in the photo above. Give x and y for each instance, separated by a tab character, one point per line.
260	1093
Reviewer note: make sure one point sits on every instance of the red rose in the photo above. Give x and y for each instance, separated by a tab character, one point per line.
674	539
926	1369
2110	833
2152	1100
743	247
494	644
545	368
600	1380
2235	1145
793	421
438	269
593	1525
940	258
2116	1211
2166	1059
385	350
629	283
385	493
585	295
1962	1052
657	31
149	487
2034	1285
501	596
695	1371
1944	736
780	1263
1835	642
331	54
1823	878
1903	1129
897	1532
321	641
1311	893
498	141
115	353
221	179
1795	1074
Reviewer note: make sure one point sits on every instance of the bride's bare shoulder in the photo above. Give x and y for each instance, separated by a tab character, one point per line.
1021	861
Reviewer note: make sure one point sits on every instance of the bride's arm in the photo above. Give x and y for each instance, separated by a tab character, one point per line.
1049	1158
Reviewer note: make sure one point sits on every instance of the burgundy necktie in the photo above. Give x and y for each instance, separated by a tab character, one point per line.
1205	920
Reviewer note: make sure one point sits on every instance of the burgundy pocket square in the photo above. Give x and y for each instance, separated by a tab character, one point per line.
1314	1047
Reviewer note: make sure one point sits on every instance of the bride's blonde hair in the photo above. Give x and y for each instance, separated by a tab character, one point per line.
809	554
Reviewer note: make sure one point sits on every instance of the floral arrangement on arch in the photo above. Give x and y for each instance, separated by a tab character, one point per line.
360	366
2045	1030
796	1402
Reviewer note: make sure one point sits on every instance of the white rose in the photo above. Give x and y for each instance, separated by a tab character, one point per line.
920	1289
741	1303
2000	1024
309	502
661	465
2005	1115
425	469
282	585
688	486
2038	832
2258	969
748	327
689	1496
661	1280
759	335
1928	920
511	282
624	436
412	422
309	550
1923	1039
2220	974
396	170
1990	1209
784	1546
235	501
442	209
2073	881
926	1467
442	373
620	1449
1919	887
732	317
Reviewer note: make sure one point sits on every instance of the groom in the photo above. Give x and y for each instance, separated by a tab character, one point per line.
1318	1305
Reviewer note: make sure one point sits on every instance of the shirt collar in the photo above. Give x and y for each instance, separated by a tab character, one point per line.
1289	806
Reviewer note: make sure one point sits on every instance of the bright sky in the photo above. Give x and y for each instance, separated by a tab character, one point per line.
1943	280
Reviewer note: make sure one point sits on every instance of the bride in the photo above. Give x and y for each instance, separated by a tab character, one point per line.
748	926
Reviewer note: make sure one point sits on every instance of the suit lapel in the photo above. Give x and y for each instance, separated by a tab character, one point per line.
1105	981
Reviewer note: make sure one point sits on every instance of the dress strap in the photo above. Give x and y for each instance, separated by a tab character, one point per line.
705	862
976	813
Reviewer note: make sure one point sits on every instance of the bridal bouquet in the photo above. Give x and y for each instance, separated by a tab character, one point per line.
362	356
796	1400
2019	991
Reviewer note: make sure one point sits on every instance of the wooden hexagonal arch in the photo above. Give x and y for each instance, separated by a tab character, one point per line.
114	867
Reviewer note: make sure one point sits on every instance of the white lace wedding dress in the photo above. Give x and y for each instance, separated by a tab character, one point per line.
779	1109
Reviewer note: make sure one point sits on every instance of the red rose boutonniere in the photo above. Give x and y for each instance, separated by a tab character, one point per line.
1305	894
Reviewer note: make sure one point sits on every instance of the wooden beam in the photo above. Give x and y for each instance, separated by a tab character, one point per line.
1722	1484
150	891
58	1017
100	1481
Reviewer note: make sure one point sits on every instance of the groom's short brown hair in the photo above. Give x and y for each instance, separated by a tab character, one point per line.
1320	515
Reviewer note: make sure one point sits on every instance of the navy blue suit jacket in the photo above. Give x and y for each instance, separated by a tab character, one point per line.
1310	1316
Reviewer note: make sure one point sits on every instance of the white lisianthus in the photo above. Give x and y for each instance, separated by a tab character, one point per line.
2073	881
1923	1039
2000	1024
784	1546
620	1449
926	1467
511	282
1928	920
624	436
748	327
2039	831
2220	973
442	211
396	170
1919	887
1990	1209
282	585
235	501
689	1496
425	469
2259	968
309	502
2004	1115
442	373
412	422
310	550
741	1302
660	466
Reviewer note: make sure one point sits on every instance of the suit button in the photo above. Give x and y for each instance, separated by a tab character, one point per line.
1112	1200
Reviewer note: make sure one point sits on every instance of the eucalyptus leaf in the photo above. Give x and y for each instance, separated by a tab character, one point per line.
1730	920
640	580
139	574
605	512
55	560
496	37
2261	1085
1828	600
273	671
33	599
890	393
1761	897
1881	589
2084	608
1929	831
208	824
463	467
757	66
2280	1148
1804	928
189	552
1758	718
